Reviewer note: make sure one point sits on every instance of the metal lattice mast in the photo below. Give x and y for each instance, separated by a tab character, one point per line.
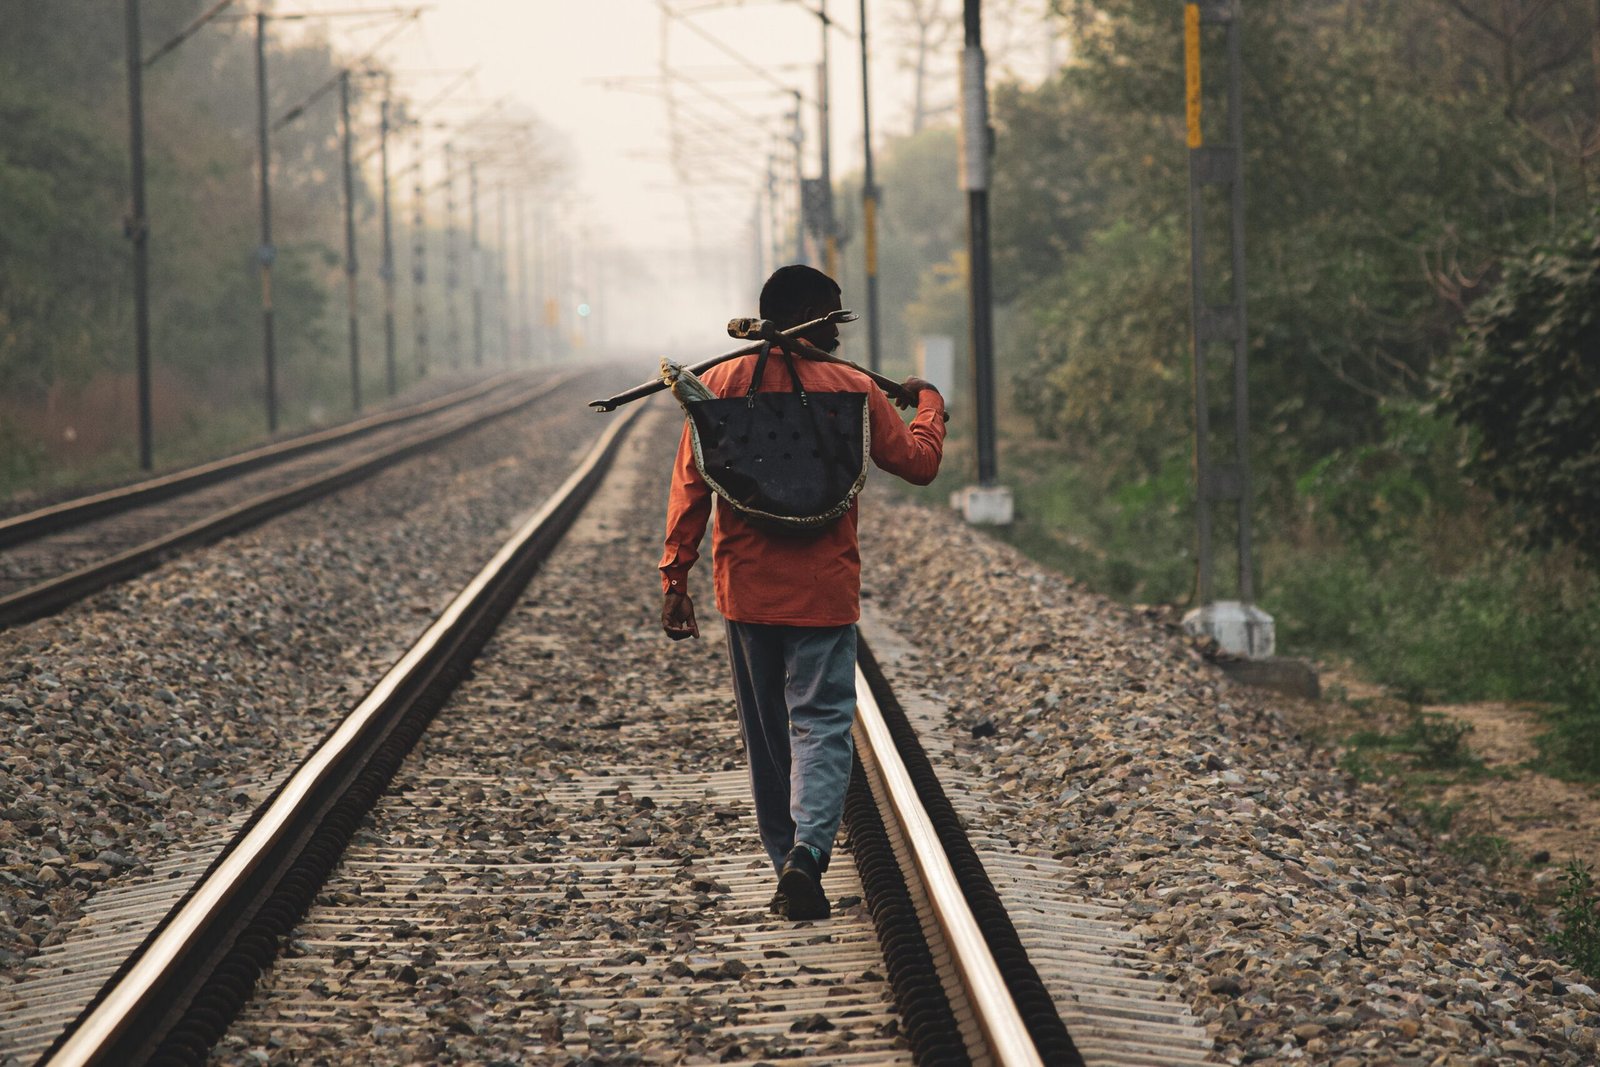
1222	470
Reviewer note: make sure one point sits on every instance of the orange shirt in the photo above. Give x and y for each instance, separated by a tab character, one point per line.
770	578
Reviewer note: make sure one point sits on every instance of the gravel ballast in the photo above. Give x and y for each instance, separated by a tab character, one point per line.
148	717
1301	916
1297	912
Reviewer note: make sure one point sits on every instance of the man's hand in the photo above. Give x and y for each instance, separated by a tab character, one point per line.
911	391
677	616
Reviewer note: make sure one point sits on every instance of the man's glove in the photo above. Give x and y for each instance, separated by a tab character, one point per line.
677	616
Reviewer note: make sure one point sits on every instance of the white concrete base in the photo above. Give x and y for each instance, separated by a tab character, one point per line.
984	505
1239	629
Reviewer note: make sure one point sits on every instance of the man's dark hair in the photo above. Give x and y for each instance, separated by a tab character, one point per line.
792	291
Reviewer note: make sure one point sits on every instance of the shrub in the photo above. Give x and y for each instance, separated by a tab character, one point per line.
1578	913
1527	380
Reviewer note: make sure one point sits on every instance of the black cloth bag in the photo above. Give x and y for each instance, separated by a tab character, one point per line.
790	462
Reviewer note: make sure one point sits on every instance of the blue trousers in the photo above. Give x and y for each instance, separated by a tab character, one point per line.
795	687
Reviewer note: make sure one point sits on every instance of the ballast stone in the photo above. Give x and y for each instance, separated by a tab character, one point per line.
1239	629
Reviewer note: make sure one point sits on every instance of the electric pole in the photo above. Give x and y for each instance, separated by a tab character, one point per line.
137	226
419	260
799	139
869	207
138	230
266	253
474	268
1220	330
988	502
524	322
346	137
505	275
830	230
774	249
452	265
386	271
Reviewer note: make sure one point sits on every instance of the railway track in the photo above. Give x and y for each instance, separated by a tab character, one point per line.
563	869
54	556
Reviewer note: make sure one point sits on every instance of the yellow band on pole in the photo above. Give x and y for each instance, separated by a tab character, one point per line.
870	211
1191	70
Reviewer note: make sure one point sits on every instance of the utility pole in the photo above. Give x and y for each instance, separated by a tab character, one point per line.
869	208
505	275
419	260
346	137
1239	626
138	231
386	271
474	268
341	81
524	323
758	249
830	231
774	249
266	253
799	139
987	503
547	314
137	226
452	265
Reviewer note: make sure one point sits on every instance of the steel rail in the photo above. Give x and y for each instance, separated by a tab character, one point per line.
50	596
149	995
70	513
1005	1036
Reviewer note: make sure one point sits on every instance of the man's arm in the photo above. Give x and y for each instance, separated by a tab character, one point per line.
688	511
910	452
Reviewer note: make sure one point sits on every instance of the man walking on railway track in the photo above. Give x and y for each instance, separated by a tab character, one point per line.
791	599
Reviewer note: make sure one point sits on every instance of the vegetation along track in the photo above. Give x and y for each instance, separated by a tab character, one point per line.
56	555
566	868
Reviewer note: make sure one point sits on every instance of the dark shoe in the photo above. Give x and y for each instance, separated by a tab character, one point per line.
779	905
801	882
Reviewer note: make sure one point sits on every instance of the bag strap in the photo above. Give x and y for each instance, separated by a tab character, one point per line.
784	345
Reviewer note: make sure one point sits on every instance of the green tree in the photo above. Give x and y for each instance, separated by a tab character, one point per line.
61	271
1527	380
1375	172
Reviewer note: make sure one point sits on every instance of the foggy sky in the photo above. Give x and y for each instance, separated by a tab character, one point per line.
591	69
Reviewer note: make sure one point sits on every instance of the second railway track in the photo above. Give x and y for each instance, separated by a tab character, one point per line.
62	553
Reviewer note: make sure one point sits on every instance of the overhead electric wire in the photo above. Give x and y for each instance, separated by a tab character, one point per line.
188	31
728	50
411	15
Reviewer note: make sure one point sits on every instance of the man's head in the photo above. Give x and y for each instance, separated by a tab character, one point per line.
798	293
